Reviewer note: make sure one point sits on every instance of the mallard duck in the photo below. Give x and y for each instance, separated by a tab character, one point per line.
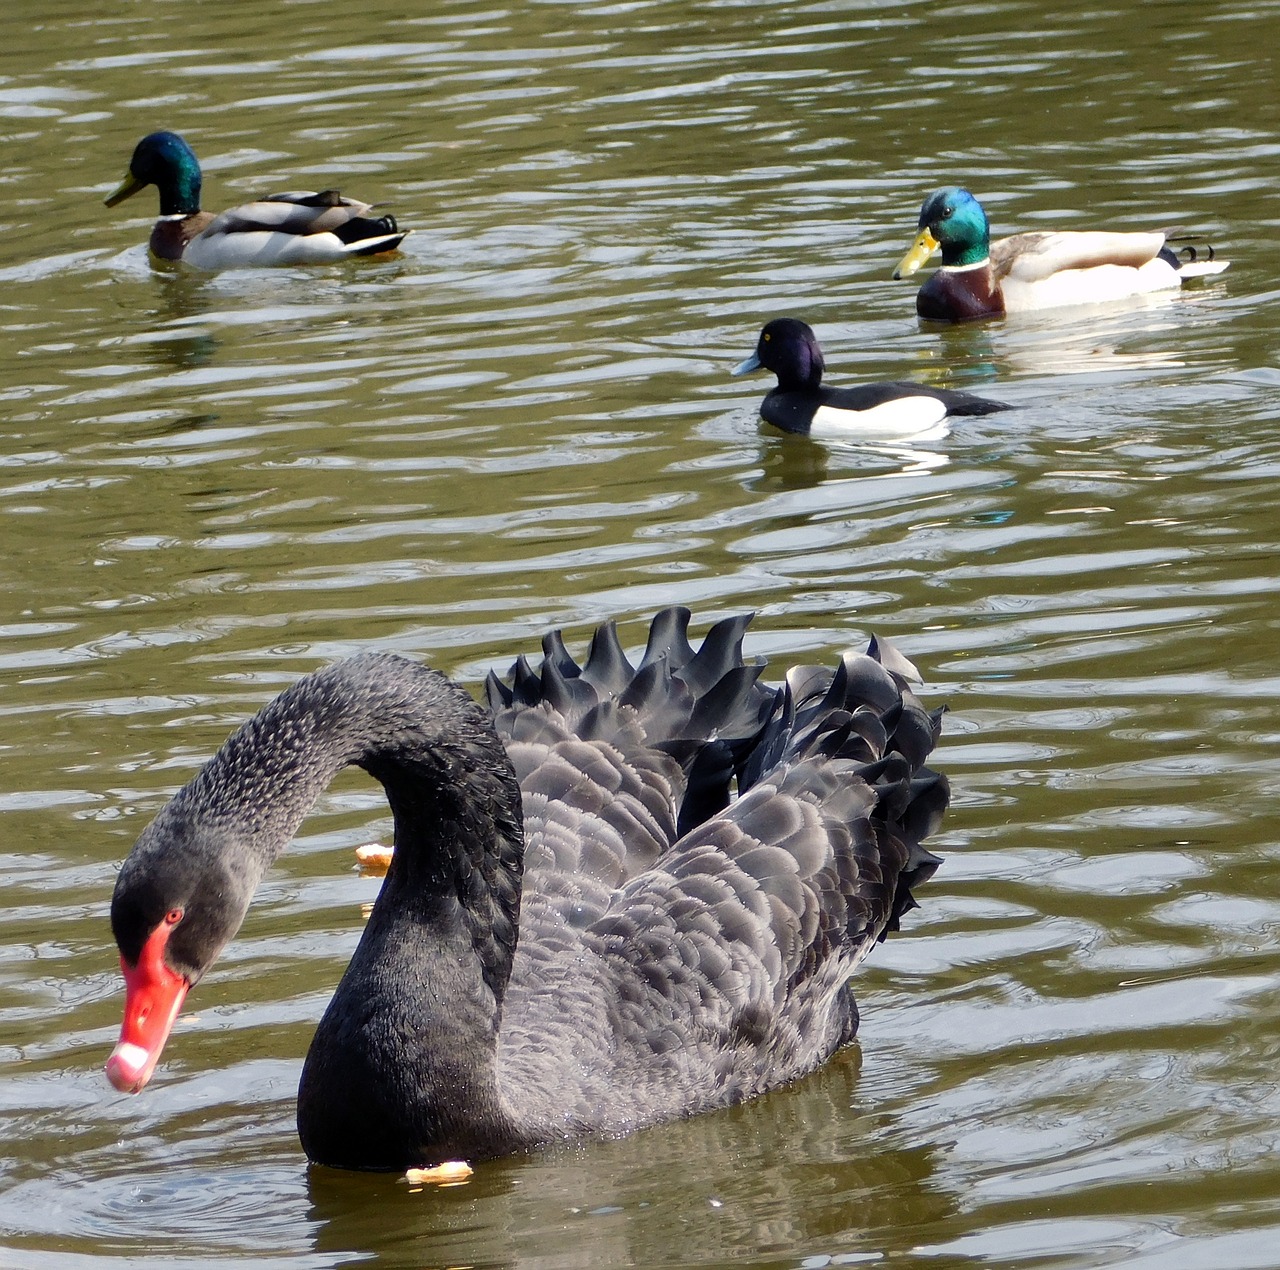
979	278
281	229
800	403
619	894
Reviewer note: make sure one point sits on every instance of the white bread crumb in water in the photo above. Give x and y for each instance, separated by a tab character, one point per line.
373	859
450	1173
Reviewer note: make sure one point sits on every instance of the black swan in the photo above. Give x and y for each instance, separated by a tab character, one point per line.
583	930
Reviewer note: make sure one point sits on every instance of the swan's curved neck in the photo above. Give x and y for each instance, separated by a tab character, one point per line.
451	787
406	1053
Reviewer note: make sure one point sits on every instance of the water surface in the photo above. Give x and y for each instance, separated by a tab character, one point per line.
525	420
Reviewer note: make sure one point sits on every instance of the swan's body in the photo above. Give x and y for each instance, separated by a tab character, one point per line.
672	951
887	411
299	228
1027	272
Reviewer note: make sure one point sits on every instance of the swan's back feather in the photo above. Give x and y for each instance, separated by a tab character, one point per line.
669	639
727	961
700	942
616	761
607	668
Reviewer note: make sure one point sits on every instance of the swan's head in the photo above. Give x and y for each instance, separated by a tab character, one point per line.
179	899
790	349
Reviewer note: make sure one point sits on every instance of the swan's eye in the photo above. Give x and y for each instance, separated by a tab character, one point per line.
173	917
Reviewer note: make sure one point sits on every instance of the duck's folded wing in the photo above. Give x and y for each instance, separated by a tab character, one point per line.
1034	257
295	213
320	198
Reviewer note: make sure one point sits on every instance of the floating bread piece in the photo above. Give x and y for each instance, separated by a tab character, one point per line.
374	859
450	1173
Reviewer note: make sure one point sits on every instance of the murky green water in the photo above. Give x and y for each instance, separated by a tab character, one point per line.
212	485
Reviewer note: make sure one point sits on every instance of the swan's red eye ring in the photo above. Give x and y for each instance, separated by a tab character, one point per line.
173	917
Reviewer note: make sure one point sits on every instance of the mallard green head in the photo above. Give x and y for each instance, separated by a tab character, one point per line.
953	220
164	160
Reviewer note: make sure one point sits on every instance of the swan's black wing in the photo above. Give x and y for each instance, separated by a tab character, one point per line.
729	960
719	967
615	760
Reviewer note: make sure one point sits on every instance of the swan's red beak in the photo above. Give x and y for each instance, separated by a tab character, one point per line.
153	995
